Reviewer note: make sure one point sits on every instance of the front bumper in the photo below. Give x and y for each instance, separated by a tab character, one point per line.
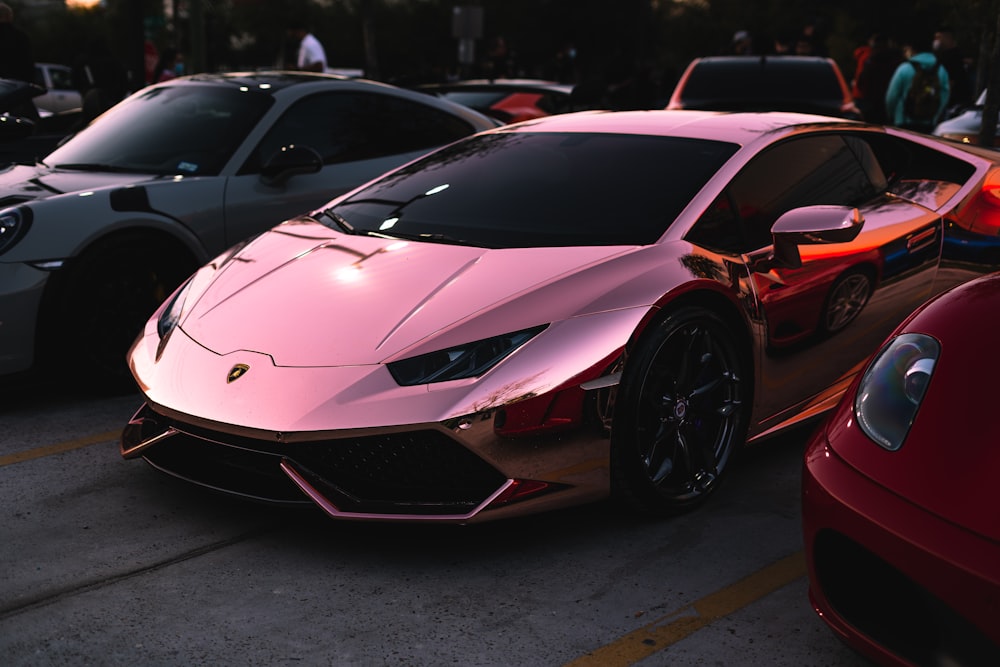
21	288
456	472
898	584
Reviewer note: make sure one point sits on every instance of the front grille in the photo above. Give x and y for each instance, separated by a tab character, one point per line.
895	611
413	472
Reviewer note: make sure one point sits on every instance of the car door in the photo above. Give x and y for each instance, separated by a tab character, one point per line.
356	135
823	314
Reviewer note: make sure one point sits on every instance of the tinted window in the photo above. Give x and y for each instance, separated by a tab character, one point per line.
801	172
541	189
62	79
182	129
770	80
349	126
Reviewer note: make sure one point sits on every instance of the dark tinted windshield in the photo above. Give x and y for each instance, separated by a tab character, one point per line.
541	189
183	129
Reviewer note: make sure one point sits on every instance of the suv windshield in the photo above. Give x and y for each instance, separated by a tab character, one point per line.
528	189
189	129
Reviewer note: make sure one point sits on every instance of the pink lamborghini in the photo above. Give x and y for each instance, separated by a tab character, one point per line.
583	306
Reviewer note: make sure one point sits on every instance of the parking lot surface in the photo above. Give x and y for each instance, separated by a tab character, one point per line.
107	562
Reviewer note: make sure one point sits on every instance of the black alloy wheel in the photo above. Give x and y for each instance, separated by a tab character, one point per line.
682	413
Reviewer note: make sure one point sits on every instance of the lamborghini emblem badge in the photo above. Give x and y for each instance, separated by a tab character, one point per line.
236	372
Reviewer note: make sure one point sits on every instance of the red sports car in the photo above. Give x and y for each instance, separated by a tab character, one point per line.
901	511
553	312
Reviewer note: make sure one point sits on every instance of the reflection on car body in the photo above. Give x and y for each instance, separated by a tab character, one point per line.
529	319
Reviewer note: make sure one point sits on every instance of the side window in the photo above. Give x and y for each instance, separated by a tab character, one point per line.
349	126
62	79
799	172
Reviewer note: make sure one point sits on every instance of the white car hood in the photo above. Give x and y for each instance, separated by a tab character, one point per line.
37	182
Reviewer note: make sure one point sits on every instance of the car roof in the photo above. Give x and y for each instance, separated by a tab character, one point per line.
273	80
736	127
499	84
770	62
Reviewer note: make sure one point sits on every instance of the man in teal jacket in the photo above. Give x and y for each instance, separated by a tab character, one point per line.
908	114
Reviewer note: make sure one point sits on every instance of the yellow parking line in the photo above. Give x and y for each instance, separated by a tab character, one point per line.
58	448
670	629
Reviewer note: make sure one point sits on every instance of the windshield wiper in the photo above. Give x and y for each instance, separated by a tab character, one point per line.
87	166
340	220
431	238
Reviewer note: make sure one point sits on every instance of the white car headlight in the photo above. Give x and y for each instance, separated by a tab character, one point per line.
14	223
893	387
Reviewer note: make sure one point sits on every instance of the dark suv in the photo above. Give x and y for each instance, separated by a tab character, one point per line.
807	84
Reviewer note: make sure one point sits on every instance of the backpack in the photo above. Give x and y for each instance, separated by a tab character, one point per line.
923	99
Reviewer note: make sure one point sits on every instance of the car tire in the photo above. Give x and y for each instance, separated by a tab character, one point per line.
846	299
681	413
101	302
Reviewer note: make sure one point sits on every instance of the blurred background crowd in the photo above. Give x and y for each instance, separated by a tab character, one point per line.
621	53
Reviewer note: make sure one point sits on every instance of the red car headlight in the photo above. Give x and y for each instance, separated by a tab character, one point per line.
893	388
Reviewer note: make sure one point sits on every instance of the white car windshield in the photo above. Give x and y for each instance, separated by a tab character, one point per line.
190	129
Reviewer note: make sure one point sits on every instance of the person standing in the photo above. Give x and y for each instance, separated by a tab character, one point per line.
918	91
169	66
311	55
100	78
871	80
951	58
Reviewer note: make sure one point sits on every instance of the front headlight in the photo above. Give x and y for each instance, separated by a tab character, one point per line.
14	224
171	315
893	387
463	361
189	292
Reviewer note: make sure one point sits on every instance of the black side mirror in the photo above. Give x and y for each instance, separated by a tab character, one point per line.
811	225
289	161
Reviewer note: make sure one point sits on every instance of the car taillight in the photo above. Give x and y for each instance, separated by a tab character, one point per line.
984	210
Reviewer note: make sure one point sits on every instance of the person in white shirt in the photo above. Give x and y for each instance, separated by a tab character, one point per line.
312	56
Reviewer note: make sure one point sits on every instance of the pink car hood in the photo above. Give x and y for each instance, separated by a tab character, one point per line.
308	296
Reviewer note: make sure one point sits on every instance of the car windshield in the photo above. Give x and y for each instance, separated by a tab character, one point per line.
532	189
189	129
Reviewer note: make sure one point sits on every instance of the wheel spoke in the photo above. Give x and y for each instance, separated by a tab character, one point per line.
658	460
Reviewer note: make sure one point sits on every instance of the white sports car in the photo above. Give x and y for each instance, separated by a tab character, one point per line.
96	235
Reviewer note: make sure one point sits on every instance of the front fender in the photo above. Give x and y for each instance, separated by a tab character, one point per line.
63	226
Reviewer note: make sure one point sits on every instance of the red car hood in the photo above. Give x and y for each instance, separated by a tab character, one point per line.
308	296
951	457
